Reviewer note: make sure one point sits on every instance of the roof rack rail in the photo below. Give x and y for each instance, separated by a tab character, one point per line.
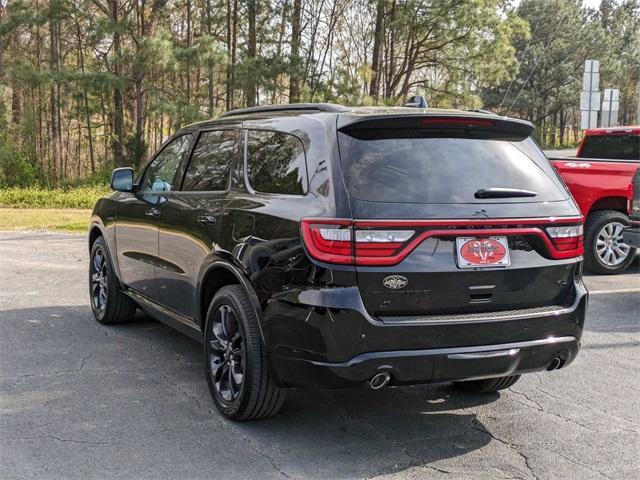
319	107
480	110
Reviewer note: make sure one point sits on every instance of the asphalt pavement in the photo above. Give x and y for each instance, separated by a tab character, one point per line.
82	400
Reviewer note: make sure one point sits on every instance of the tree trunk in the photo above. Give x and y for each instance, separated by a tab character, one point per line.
251	89
53	103
296	33
378	38
118	103
210	85
87	113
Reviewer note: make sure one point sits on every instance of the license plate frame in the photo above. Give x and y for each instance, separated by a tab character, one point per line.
463	262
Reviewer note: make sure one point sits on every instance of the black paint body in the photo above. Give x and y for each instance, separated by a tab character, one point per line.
331	326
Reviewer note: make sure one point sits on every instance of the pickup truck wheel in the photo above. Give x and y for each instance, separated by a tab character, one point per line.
108	303
605	250
238	376
487	385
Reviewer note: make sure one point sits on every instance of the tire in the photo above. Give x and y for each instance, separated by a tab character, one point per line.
108	303
487	385
238	376
599	225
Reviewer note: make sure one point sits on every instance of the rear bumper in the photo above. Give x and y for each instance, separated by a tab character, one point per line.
430	365
631	235
341	346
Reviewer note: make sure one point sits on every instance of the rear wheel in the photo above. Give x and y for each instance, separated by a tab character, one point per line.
487	385
239	380
108	303
605	250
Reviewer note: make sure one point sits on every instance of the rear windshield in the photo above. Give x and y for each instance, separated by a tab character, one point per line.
444	170
615	147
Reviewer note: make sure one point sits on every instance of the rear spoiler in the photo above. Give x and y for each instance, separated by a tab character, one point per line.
436	125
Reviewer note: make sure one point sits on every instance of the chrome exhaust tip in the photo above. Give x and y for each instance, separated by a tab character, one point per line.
380	380
554	364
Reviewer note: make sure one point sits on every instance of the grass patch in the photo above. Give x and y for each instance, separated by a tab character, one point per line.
56	219
38	197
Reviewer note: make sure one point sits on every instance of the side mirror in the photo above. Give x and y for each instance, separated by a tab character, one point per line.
122	179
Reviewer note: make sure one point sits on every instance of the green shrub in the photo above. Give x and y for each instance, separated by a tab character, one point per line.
15	168
38	197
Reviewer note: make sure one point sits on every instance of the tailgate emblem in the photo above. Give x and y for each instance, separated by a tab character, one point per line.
395	282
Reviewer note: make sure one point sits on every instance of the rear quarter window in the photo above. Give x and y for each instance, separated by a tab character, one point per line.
444	170
276	163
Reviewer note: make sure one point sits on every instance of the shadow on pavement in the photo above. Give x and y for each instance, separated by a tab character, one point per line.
318	434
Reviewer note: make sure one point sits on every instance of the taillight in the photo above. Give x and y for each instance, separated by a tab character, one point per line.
568	237
337	241
329	240
385	242
633	203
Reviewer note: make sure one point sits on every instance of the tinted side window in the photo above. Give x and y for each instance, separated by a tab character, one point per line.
276	163
159	175
211	161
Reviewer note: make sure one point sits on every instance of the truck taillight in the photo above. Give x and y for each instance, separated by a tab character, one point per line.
633	199
569	237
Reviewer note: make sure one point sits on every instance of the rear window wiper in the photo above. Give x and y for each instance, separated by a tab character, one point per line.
499	192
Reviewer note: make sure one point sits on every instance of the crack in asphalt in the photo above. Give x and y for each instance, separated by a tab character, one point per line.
73	370
225	427
575	462
60	439
541	409
182	390
249	441
475	424
85	358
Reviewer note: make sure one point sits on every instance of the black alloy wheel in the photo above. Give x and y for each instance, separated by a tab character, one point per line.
240	381
226	354
99	280
109	303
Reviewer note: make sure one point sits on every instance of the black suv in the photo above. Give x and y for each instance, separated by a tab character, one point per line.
320	246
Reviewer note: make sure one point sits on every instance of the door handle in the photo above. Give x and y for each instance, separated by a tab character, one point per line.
153	212
206	219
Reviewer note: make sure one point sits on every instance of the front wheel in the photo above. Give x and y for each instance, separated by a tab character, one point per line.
237	373
108	303
605	250
487	385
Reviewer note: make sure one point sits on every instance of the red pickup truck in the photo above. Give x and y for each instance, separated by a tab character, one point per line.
599	178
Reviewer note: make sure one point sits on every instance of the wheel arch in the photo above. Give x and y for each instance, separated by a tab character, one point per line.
217	275
613	202
94	232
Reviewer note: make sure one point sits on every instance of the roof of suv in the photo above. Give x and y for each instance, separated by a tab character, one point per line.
270	111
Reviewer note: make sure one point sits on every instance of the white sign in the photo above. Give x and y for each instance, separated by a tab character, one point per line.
610	107
590	95
590	101
590	81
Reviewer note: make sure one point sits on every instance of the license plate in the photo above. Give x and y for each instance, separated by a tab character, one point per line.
476	252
